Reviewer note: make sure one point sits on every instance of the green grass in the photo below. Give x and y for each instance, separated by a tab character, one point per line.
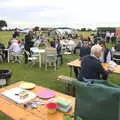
5	36
24	72
4	117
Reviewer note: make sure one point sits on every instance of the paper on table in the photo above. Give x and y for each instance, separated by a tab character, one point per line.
13	95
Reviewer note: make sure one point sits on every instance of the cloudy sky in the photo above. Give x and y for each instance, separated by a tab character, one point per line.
71	13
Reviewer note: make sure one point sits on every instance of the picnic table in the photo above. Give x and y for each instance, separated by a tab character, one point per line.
106	66
19	112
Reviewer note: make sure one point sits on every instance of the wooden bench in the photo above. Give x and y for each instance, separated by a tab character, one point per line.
69	88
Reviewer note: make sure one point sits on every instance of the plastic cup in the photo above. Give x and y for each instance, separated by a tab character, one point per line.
51	107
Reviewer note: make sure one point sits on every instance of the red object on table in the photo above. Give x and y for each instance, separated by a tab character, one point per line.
51	105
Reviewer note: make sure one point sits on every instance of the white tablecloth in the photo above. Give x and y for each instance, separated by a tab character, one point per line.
37	53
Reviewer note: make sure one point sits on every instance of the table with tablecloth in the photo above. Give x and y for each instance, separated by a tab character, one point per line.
35	51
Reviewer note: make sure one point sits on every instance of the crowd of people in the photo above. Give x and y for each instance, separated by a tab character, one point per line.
110	36
16	46
92	53
92	50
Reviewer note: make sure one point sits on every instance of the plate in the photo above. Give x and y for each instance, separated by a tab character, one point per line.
27	85
46	93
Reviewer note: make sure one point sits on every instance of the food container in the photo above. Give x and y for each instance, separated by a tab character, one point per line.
51	107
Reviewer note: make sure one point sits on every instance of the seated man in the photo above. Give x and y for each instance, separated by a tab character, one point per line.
91	67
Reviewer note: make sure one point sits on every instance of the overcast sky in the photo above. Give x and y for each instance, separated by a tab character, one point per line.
70	13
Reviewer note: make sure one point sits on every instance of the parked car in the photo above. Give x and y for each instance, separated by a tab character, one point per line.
25	31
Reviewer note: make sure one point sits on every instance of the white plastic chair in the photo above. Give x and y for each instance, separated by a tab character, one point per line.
32	59
39	53
2	82
16	57
51	58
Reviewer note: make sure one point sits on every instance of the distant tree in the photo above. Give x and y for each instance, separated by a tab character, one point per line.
3	23
89	29
46	28
36	28
83	29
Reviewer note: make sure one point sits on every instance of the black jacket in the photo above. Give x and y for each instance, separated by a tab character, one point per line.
28	42
91	68
107	50
84	51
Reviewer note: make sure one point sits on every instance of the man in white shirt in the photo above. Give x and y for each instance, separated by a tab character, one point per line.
112	37
107	36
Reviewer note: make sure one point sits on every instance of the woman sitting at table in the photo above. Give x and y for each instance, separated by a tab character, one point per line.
91	67
15	51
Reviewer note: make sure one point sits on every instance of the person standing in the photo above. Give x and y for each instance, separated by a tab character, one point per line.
28	44
113	37
16	33
84	50
107	36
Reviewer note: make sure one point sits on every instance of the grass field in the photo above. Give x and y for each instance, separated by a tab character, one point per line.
24	72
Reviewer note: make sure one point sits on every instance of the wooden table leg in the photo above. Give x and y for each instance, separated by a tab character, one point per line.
71	70
40	60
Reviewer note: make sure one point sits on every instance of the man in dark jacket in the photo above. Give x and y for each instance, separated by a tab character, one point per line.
91	67
84	50
28	43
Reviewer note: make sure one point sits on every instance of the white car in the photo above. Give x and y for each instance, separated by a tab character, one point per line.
25	31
